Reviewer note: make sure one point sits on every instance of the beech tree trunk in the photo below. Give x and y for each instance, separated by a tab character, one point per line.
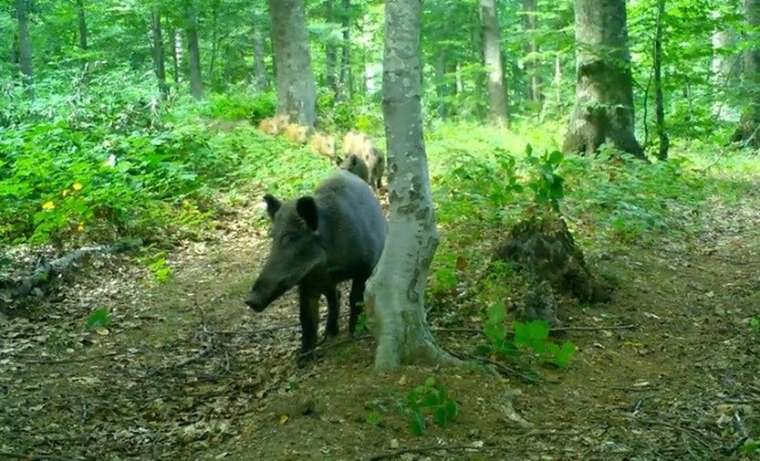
497	94
394	297
662	153
346	76
159	65
176	52
82	25
603	109
296	91
24	45
193	49
260	77
441	84
530	9
748	131
331	51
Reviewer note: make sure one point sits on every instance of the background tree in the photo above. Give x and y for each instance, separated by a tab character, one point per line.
749	125
662	136
497	94
159	65
603	109
296	91
396	291
24	44
193	48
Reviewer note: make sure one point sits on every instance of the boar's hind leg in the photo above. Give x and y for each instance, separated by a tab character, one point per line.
333	307
309	313
356	301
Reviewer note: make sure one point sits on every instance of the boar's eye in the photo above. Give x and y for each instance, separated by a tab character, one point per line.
290	237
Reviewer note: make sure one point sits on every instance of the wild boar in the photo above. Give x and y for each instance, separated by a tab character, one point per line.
360	145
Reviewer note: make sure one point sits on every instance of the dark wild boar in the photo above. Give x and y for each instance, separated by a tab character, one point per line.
356	166
317	242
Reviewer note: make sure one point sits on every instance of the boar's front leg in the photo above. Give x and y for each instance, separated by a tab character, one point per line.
356	301
333	310
309	314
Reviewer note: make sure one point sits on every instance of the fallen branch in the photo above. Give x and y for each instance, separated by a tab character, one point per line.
417	450
614	327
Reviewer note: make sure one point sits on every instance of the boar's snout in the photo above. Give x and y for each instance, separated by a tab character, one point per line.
255	301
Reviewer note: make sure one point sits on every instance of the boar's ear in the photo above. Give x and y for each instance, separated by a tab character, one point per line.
307	210
272	205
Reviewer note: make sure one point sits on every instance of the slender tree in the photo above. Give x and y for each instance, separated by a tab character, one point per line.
346	75
331	51
748	131
193	49
662	153
24	45
396	291
497	94
260	77
296	91
530	24
82	25
176	52
603	109
159	66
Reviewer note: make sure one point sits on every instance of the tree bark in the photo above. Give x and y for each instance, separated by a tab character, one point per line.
395	293
214	38
530	10
176	51
662	153
296	91
331	51
497	94
603	109
25	45
748	130
193	49
159	65
441	84
260	77
346	76
82	25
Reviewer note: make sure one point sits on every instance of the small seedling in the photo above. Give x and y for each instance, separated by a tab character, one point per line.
160	269
754	325
431	397
99	318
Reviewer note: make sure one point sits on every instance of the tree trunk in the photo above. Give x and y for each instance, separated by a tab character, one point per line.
497	94
395	293
176	50
193	49
331	51
662	153
724	70
24	45
159	65
214	38
441	85
346	76
296	91
603	109
82	25
260	77
748	130
530	9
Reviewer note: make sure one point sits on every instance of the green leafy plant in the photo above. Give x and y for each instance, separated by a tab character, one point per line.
547	185
530	336
751	447
159	268
98	318
754	325
430	399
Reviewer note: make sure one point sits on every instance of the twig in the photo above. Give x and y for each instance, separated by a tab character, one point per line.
614	327
399	452
458	330
505	369
34	457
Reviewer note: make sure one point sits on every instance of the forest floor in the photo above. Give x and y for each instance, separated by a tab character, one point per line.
185	370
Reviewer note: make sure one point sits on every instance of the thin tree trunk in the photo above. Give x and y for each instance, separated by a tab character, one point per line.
530	9
497	94
440	82
748	130
159	65
395	294
82	25
25	45
659	103
296	91
603	109
331	51
193	49
260	77
346	75
176	49
214	38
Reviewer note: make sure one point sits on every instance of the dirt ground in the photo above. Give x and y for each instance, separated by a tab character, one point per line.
669	369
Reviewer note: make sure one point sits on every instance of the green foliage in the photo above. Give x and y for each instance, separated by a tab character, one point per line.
547	185
98	318
430	399
754	325
530	336
159	268
240	105
751	447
